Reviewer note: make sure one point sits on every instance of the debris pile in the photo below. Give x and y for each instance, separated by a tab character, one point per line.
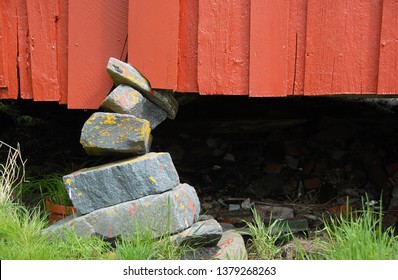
296	169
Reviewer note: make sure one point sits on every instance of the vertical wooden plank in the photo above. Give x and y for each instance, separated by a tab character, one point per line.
97	30
188	46
296	47
342	50
24	63
9	49
153	40
42	18
223	51
62	49
388	64
268	47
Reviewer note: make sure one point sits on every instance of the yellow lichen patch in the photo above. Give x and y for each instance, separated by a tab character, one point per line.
182	206
110	119
79	194
177	195
97	127
104	132
68	181
147	204
153	181
89	122
90	144
122	137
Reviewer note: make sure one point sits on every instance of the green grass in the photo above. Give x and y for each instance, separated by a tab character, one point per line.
359	236
263	243
141	245
21	238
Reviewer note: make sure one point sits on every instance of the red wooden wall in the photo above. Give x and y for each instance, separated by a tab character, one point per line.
268	47
57	50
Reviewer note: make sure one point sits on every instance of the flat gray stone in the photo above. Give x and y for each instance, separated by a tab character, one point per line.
111	133
123	73
169	212
126	100
231	247
273	212
110	184
202	233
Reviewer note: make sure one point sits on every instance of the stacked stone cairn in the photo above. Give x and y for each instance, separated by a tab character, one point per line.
141	191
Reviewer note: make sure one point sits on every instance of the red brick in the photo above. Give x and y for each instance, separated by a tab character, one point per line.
377	175
312	183
273	168
309	166
392	168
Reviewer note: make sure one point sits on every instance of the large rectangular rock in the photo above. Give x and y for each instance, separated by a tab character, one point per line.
110	184
166	213
126	100
111	133
124	73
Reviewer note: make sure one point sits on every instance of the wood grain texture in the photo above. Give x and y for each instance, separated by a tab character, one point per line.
223	51
62	49
296	47
342	50
97	30
9	50
153	40
268	47
388	64
188	47
24	62
42	19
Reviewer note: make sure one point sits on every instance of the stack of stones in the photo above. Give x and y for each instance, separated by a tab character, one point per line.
141	191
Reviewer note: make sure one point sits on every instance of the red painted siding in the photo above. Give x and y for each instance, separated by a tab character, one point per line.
153	40
97	31
342	47
388	63
268	47
57	50
223	52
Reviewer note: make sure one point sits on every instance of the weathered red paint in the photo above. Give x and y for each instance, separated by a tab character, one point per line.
153	40
8	50
223	47
268	47
97	31
25	72
188	47
342	47
43	49
57	50
62	50
296	47
388	63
